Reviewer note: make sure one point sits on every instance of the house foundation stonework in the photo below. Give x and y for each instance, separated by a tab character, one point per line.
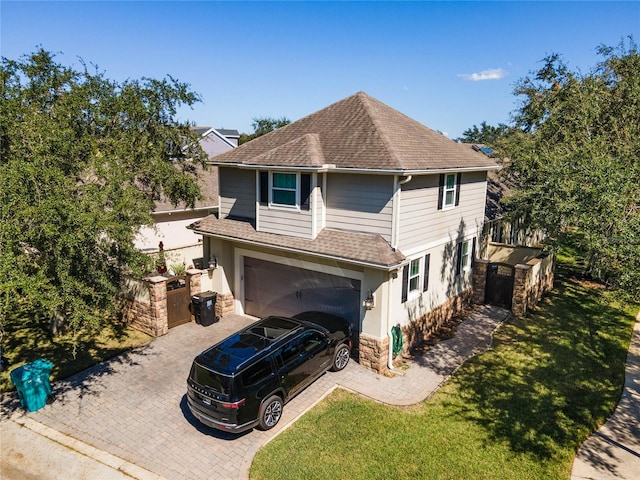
423	328
374	353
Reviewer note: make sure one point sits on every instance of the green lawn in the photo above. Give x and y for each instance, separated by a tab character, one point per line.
519	411
27	340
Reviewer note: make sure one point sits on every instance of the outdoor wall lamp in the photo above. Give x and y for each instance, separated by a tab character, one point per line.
370	301
213	264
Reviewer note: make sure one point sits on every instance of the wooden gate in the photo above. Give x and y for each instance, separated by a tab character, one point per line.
178	300
499	286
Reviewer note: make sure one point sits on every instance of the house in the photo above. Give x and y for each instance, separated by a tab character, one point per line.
356	210
180	245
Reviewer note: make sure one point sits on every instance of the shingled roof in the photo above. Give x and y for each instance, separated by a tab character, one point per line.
359	133
360	248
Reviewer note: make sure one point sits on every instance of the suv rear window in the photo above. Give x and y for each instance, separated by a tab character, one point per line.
207	378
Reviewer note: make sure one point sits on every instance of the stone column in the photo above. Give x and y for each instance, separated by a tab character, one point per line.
158	299
479	280
520	290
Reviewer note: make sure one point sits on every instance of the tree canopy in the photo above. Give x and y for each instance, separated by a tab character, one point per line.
575	155
263	125
82	160
485	134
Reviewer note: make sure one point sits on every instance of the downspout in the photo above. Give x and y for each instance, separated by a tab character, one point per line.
389	333
402	181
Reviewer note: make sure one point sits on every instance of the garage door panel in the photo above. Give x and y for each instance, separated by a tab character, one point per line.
276	289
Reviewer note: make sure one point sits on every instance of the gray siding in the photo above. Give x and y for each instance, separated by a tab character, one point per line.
237	193
285	222
362	203
422	223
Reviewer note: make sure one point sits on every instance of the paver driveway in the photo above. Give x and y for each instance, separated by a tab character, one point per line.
134	406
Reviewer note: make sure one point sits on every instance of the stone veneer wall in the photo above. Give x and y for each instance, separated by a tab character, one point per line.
479	280
374	353
532	281
148	313
145	302
424	327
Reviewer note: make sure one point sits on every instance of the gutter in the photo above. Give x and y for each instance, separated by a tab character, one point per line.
371	171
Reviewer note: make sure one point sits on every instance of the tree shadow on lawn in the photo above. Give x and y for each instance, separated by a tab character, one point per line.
77	369
552	377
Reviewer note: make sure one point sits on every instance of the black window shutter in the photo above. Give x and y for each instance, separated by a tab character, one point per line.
441	191
405	283
264	187
459	258
458	182
473	251
427	261
305	190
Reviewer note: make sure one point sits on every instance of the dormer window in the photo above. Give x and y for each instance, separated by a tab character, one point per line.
285	189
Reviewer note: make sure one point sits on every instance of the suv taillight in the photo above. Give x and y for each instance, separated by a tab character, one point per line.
233	405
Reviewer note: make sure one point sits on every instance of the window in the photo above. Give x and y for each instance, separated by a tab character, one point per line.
466	253
284	188
449	192
256	373
414	276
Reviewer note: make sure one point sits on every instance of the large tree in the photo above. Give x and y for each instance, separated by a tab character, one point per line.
262	126
484	134
576	159
82	160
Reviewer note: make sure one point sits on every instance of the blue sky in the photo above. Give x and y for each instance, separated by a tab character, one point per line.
449	65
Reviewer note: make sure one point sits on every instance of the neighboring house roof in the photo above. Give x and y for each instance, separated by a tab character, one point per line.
357	133
207	179
360	248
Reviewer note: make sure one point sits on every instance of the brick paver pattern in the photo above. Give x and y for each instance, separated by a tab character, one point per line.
134	406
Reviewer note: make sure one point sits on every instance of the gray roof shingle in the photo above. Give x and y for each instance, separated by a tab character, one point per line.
351	247
360	133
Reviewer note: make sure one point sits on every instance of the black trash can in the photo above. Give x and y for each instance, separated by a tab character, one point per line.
204	308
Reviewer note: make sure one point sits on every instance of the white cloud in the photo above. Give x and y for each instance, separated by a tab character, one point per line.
490	74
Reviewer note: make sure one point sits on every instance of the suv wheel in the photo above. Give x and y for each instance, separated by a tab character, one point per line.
270	412
340	358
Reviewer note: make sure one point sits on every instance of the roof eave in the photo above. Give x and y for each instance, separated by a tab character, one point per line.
387	268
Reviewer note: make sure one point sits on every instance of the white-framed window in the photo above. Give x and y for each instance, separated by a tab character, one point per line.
449	193
415	277
284	188
466	252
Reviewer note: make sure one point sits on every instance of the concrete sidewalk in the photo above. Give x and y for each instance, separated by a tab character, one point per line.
613	452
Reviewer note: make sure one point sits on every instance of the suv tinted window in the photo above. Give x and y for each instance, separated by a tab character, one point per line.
207	378
310	340
256	373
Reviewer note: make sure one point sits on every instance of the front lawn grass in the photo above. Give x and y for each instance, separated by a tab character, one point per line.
519	411
28	340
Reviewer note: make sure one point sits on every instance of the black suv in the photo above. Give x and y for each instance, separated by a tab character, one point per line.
245	380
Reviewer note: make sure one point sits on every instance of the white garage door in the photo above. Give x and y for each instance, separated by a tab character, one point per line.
275	289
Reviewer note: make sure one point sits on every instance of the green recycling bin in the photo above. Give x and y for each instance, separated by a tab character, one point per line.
32	382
